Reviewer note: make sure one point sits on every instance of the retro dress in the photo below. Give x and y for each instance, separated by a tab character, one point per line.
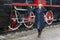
39	17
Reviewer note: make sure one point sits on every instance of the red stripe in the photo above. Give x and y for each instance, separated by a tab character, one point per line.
23	4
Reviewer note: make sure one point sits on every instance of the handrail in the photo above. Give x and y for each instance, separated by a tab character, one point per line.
20	9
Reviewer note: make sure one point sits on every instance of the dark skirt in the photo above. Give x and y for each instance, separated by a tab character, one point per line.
40	25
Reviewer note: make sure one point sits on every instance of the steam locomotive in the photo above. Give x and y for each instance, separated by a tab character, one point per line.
15	12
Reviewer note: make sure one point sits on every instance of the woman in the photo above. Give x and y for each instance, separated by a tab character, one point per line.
39	18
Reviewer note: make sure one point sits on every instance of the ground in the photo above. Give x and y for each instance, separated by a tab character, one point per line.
48	33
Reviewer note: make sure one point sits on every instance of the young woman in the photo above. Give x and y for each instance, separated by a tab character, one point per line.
39	18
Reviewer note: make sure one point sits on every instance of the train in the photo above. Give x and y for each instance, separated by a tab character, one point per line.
14	13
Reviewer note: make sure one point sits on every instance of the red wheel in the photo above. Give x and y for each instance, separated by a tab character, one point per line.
49	17
29	20
13	24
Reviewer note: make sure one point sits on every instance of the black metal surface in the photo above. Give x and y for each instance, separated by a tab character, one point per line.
55	2
23	1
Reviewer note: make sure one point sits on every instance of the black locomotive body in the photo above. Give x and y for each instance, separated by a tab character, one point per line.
5	10
4	14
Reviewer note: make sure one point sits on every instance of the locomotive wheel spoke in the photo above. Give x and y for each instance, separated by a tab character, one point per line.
30	20
49	17
14	25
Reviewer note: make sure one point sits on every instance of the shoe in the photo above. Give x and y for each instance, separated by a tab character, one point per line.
38	36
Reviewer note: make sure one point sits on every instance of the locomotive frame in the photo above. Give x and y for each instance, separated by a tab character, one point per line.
17	17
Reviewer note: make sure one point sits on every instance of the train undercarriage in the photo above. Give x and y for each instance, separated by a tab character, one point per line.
20	16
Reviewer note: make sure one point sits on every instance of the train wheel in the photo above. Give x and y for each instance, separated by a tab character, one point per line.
49	17
29	20
13	24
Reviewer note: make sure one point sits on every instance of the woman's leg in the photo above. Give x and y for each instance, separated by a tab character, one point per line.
39	32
